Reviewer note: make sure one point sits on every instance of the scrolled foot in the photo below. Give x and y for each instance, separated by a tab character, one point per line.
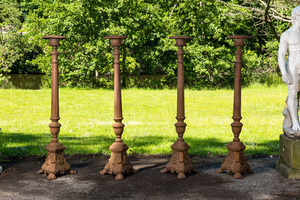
119	177
181	175
73	171
164	170
194	170
51	176
219	170
103	172
40	171
238	175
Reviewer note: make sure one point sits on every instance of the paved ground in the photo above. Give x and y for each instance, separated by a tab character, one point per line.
20	181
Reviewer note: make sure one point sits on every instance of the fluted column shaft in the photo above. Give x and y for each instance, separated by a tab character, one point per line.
118	125
180	94
54	126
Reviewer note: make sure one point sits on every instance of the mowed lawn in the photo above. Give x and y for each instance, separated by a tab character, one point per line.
149	118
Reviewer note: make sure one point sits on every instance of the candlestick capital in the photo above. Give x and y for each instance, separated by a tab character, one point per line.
180	40
239	39
116	40
54	39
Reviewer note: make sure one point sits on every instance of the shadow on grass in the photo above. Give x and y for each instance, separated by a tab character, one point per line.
21	144
270	147
215	146
25	144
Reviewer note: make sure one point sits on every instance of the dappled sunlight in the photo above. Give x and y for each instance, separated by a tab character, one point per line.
132	123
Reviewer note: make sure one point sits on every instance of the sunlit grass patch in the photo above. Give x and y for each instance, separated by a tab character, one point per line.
149	116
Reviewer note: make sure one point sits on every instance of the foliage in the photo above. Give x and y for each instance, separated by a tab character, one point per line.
15	47
85	58
8	19
269	19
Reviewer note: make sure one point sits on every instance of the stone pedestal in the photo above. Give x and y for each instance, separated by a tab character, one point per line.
289	161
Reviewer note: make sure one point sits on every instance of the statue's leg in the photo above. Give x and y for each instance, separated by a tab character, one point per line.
292	97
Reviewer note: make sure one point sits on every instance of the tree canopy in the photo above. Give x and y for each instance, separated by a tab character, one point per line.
85	58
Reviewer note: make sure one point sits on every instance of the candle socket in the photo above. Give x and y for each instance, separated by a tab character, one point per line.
180	161
55	162
236	161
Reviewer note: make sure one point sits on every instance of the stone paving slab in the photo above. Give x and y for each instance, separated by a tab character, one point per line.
20	181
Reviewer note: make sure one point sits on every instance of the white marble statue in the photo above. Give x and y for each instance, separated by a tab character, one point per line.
290	42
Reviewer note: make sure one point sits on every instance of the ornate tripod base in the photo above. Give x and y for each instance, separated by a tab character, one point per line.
118	163
55	161
235	161
180	161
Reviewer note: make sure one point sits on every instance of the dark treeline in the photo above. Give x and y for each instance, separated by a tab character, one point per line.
85	58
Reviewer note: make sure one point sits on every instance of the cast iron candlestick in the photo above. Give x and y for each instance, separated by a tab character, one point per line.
118	162
180	160
55	161
236	161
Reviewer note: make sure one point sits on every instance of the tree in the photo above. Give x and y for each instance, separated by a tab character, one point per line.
270	18
15	49
9	22
86	60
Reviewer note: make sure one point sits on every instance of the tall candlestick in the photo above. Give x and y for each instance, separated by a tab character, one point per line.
236	161
118	163
55	161
180	160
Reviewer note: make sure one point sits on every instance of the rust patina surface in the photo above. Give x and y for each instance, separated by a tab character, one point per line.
180	161
118	163
55	161
236	161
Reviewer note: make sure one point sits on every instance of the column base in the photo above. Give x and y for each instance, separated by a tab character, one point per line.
289	160
180	161
55	162
235	162
118	163
288	172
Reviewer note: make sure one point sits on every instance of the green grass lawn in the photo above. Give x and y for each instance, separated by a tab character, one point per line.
149	116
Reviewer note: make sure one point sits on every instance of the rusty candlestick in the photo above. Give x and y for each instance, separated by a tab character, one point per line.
180	160
118	162
55	161
236	161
